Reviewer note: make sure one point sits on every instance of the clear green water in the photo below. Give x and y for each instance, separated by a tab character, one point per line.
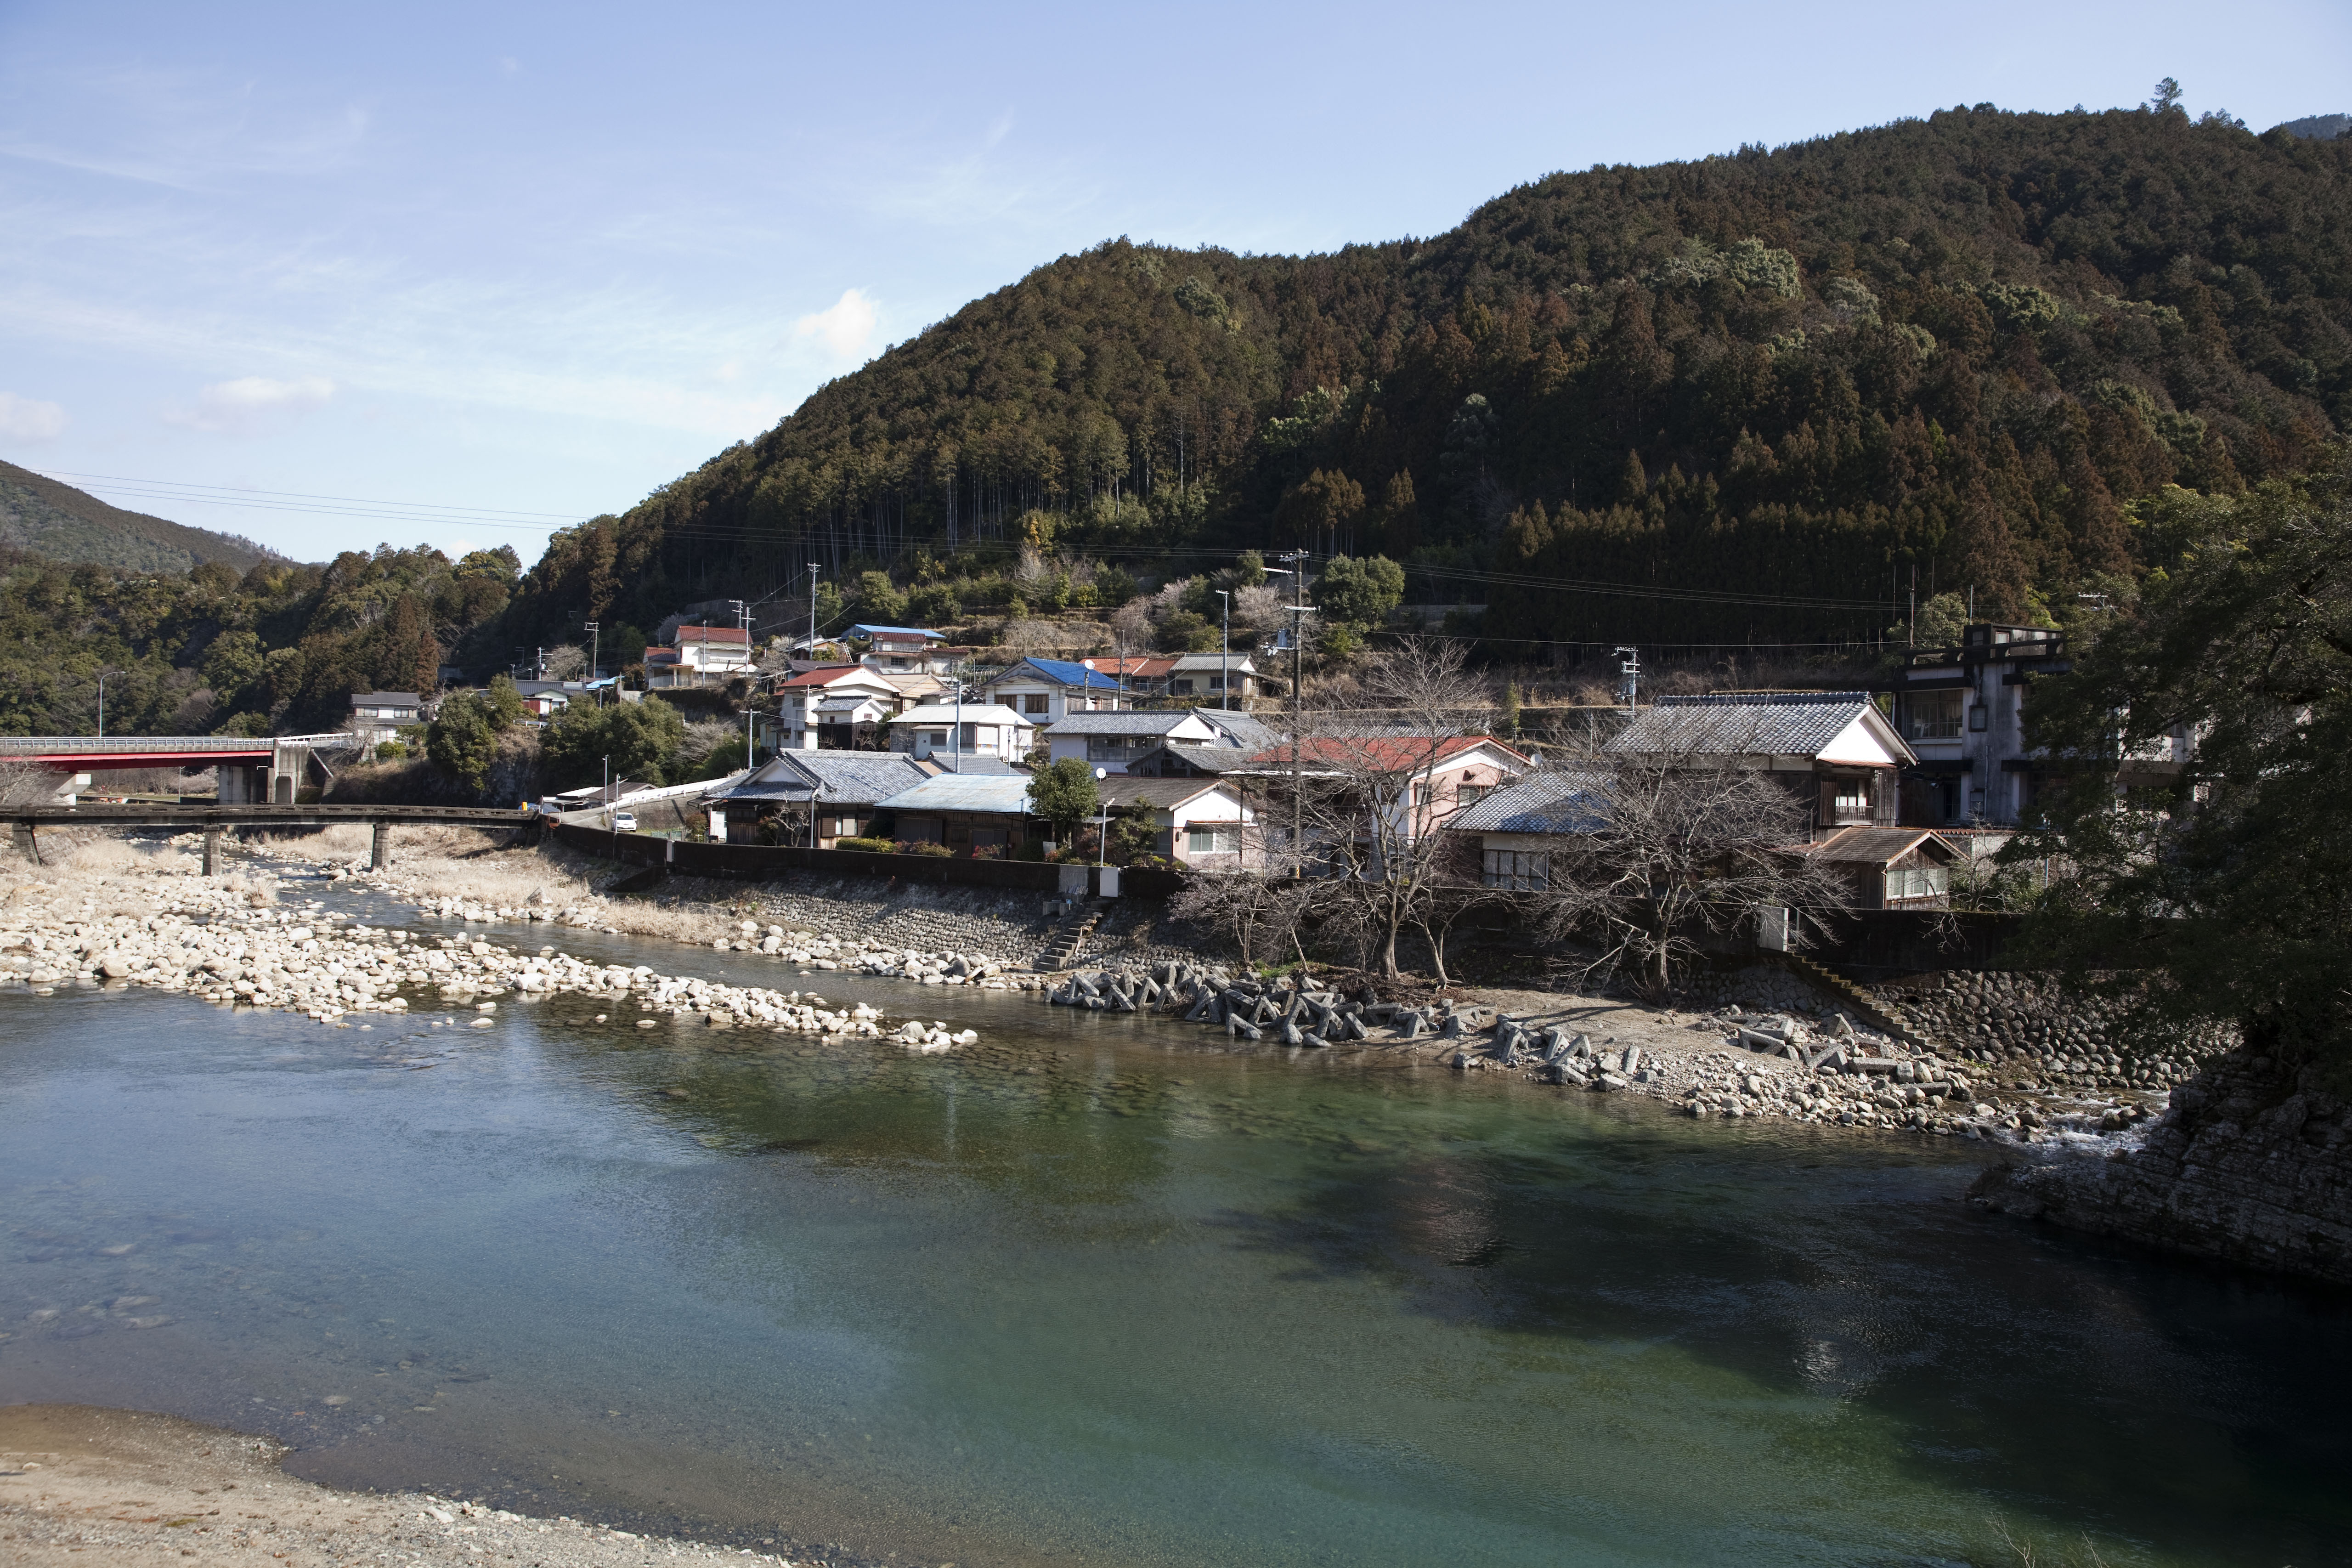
1100	1293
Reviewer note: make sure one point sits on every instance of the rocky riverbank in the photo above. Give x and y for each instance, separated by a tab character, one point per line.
1728	1061
230	942
2252	1164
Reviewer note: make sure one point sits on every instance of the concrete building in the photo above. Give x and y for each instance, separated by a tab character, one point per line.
1962	710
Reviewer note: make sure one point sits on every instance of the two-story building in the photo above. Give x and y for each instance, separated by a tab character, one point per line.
1213	678
1962	710
378	716
836	707
700	656
1047	690
908	650
1834	750
1138	675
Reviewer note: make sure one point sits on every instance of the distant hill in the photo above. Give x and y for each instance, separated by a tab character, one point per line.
2319	127
63	524
1739	398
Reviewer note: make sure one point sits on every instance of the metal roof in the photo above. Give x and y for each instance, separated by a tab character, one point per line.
1741	723
1210	758
1061	672
1250	734
969	713
1553	801
1134	722
1005	795
1164	794
864	628
1876	846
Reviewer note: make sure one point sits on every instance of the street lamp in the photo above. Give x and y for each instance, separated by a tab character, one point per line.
1102	828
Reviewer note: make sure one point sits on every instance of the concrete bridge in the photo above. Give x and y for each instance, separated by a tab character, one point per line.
26	821
268	769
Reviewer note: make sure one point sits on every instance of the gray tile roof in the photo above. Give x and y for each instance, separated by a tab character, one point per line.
1551	800
1780	724
1208	757
1161	795
1150	721
1251	734
848	778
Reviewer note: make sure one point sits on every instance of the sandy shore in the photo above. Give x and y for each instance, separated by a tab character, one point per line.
85	1485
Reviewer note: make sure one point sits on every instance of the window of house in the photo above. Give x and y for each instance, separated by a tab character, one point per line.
1931	715
983	838
971	737
1850	798
1214	840
1918	882
1520	870
845	828
1471	794
1114	748
1033	703
1977	718
1183	687
935	737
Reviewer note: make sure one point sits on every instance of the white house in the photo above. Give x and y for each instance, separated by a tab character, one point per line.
701	655
833	706
1112	741
1204	823
1047	690
948	730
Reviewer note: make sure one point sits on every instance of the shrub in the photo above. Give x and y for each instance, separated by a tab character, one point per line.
923	846
865	845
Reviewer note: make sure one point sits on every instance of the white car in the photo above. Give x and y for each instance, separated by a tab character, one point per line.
625	822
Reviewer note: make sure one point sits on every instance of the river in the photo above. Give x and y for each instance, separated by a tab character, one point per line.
1101	1291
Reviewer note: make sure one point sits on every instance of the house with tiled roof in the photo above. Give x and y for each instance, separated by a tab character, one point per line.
1112	741
1834	750
820	797
1047	690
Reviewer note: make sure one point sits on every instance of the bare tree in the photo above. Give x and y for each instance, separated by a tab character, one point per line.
1671	847
25	783
566	661
1372	797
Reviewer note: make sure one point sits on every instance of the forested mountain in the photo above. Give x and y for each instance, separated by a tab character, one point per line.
56	521
279	648
1774	383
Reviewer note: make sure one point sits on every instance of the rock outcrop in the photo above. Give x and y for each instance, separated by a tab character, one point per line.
2252	1164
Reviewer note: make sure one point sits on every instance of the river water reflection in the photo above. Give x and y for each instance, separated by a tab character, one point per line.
1098	1292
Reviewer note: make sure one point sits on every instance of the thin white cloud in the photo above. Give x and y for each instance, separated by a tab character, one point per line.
843	327
251	403
30	419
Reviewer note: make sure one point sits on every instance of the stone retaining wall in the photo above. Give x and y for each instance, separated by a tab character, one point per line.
2030	1022
2252	1164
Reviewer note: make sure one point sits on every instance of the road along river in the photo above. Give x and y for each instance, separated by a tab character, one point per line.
1099	1289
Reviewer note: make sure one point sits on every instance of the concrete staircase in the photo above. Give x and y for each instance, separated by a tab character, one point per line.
1069	938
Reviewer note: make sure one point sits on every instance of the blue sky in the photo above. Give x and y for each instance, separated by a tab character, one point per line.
505	266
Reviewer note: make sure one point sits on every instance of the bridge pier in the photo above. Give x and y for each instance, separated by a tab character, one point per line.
380	851
212	851
28	844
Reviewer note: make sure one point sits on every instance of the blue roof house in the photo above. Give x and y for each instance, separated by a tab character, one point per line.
1049	691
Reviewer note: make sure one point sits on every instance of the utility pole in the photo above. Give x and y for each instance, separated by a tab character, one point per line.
1297	559
1911	622
1225	653
594	650
101	704
1630	668
812	569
